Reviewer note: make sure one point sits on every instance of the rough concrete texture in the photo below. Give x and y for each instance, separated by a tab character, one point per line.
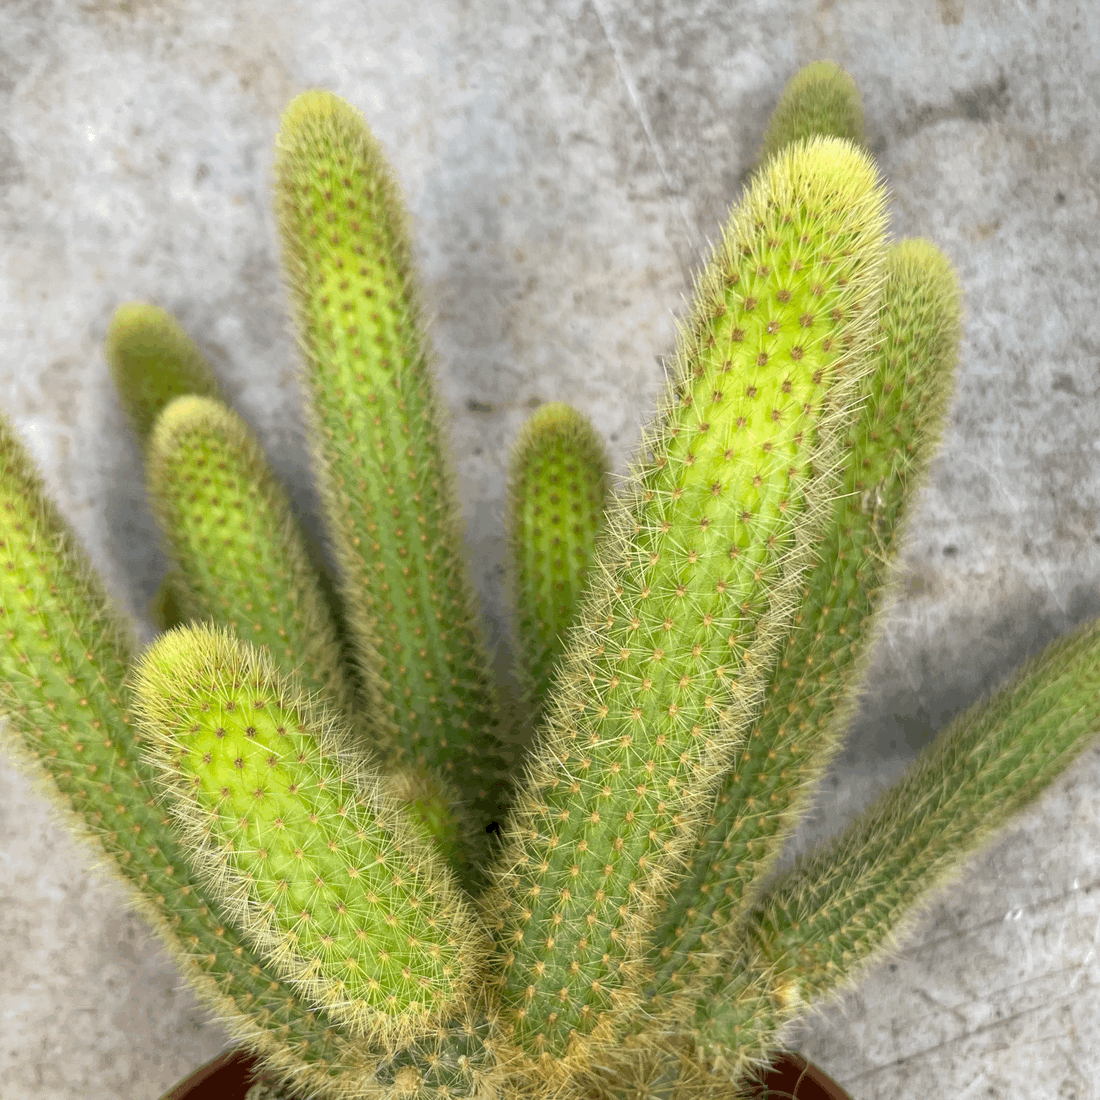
566	162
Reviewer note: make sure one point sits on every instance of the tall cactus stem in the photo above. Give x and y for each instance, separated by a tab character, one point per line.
814	684
694	586
376	440
240	557
153	361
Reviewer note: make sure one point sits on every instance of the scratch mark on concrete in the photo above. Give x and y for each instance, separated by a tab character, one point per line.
1087	961
647	127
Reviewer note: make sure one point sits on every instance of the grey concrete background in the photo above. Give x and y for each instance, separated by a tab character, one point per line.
566	162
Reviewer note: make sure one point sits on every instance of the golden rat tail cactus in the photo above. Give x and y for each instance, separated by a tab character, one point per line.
318	845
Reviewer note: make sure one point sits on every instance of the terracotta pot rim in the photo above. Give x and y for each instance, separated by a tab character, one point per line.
230	1074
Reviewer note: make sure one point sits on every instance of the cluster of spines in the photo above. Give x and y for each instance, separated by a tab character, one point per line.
695	581
557	495
814	682
378	447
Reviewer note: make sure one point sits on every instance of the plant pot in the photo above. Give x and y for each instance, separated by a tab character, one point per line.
791	1077
229	1076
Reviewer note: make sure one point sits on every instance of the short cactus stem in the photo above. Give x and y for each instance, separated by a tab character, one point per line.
241	560
557	494
695	583
820	100
314	856
814	683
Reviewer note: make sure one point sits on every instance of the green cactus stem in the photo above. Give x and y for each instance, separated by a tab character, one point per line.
842	907
697	582
377	446
153	361
814	684
239	554
307	848
557	493
63	665
819	100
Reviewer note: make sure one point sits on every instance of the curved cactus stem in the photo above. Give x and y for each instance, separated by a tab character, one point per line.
814	685
302	843
695	585
820	100
557	493
376	439
846	904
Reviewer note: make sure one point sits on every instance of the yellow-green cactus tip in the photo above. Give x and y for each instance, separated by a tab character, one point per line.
821	99
315	105
153	360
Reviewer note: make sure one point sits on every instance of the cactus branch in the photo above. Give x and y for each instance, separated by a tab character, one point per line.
557	494
302	843
695	582
842	907
814	684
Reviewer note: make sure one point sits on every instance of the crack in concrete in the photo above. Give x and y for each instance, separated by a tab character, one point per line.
647	127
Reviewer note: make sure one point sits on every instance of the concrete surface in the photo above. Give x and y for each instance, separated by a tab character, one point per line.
566	162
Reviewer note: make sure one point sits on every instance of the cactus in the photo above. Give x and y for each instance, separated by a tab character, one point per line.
153	362
334	885
557	495
377	443
820	99
317	848
700	570
811	693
